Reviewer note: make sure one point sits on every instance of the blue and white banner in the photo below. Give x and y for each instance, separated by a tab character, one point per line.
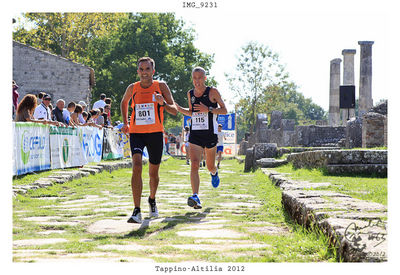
31	147
227	121
92	143
65	148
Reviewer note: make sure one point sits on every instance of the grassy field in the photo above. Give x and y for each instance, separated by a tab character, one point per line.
162	241
361	187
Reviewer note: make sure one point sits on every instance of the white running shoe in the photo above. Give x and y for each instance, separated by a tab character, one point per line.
153	211
136	217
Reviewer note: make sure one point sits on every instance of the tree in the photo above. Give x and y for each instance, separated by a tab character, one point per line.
262	85
111	43
258	70
66	34
158	35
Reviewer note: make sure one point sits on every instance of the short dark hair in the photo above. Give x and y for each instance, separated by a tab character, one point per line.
102	96
41	95
84	114
78	109
101	109
71	104
108	100
107	106
142	59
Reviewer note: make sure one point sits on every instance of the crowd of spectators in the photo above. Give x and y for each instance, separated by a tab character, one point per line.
38	109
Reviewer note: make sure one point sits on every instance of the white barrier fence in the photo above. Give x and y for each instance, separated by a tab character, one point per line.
42	147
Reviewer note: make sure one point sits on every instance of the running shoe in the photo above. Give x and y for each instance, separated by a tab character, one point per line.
194	201
153	211
136	216
187	162
215	179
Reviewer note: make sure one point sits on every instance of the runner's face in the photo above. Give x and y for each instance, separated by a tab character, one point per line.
145	71
198	79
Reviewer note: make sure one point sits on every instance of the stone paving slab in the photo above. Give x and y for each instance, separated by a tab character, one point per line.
33	242
212	233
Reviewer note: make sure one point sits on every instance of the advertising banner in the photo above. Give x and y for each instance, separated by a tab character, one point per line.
31	147
92	142
65	148
113	148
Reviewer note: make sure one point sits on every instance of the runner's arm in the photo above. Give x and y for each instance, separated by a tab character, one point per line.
185	111
169	103
124	104
215	95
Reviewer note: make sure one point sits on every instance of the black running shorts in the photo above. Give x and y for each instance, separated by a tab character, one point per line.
208	140
153	142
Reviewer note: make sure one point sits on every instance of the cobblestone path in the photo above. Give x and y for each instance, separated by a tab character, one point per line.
85	220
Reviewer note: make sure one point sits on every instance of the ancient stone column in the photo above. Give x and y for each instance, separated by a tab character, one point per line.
334	84
348	79
365	90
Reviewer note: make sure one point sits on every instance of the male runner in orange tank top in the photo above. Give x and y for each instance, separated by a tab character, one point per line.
149	99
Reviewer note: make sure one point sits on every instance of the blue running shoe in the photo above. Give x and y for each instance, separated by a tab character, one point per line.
194	201
215	180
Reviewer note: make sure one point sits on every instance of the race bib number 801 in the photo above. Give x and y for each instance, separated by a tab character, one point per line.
199	121
144	114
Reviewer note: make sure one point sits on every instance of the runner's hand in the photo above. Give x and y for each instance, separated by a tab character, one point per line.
125	129
200	107
160	99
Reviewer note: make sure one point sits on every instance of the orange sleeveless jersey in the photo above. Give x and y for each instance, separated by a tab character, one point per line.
147	115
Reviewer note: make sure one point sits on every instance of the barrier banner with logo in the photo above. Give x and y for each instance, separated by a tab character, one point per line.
113	148
91	139
31	147
65	148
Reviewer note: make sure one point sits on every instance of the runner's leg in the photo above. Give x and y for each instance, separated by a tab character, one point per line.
154	179
195	153
136	181
210	159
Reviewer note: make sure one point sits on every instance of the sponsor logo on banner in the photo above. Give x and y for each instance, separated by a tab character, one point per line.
65	149
31	148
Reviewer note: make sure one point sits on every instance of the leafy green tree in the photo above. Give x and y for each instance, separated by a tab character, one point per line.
65	34
262	85
158	35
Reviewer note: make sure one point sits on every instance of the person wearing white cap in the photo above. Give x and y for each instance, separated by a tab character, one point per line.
80	116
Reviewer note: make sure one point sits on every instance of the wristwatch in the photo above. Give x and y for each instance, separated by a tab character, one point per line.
210	109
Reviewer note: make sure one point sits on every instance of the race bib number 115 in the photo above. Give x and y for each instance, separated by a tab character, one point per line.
199	121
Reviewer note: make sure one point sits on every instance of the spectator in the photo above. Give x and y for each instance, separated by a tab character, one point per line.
67	113
80	117
107	122
178	143
108	101
15	96
85	116
100	103
94	114
74	116
26	108
58	111
166	142
100	118
42	111
40	96
186	141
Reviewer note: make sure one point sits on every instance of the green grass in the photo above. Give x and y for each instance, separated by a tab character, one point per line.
361	187
296	245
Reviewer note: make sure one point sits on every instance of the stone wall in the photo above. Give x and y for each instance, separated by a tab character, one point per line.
343	161
373	130
354	133
40	71
314	136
